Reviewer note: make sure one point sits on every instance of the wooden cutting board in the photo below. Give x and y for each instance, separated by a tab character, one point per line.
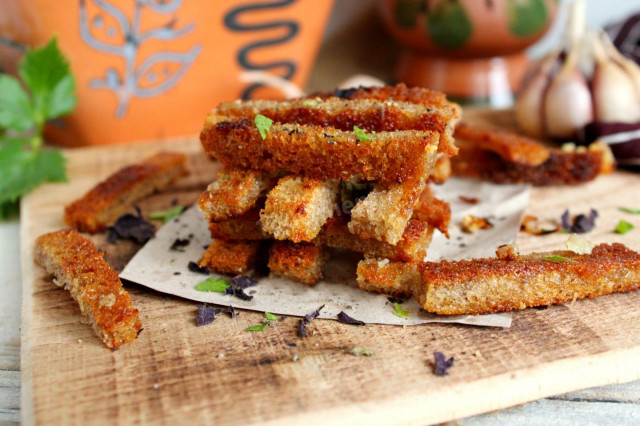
177	372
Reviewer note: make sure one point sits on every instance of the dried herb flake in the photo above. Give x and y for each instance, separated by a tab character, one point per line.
193	267
179	243
243	282
260	327
263	124
129	226
581	224
270	316
166	215
362	136
346	319
205	315
442	364
623	227
399	311
216	285
556	258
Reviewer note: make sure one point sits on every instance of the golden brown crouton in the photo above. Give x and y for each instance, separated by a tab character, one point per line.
434	211
230	257
80	268
233	193
320	152
396	279
245	227
301	262
109	199
297	207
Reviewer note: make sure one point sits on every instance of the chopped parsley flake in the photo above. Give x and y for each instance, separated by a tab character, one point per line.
166	215
263	124
362	136
310	102
399	311
270	316
358	351
631	210
216	285
260	327
557	259
623	227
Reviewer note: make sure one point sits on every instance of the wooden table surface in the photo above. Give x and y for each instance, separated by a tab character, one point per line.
612	404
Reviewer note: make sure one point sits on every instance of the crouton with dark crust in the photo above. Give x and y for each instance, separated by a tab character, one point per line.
80	268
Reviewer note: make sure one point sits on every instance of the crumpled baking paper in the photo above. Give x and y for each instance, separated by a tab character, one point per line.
158	267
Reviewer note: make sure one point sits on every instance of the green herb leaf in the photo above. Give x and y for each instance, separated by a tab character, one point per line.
15	105
399	311
263	124
310	102
216	285
357	351
260	327
631	210
270	316
623	227
166	215
362	136
557	258
46	73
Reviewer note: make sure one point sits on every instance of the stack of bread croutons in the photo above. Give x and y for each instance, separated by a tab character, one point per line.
347	170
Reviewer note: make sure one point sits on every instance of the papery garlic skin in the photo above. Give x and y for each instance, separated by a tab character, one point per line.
529	103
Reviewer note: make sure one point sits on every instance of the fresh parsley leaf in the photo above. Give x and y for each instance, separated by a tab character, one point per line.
216	285
556	258
631	210
623	227
263	124
270	316
399	311
260	327
310	102
46	73
15	105
166	215
362	136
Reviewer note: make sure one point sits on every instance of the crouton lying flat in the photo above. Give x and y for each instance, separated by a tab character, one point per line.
385	212
297	207
370	114
109	199
396	279
233	193
302	262
446	111
230	257
489	285
320	152
80	268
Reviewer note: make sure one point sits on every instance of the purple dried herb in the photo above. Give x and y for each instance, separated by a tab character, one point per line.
394	300
302	329
344	93
581	223
243	282
442	364
313	315
346	319
179	243
193	267
206	315
129	226
232	312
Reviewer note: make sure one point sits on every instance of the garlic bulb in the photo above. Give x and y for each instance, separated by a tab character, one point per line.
616	84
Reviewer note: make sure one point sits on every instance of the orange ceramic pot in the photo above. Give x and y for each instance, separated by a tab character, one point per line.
471	49
150	69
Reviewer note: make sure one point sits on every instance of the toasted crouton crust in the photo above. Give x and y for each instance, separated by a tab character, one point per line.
245	227
481	286
302	262
432	210
320	152
80	268
396	279
561	168
233	193
297	208
436	101
112	197
230	257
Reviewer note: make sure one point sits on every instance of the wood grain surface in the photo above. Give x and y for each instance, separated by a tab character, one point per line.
219	373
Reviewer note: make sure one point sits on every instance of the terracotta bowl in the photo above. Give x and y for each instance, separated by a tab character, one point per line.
471	49
149	69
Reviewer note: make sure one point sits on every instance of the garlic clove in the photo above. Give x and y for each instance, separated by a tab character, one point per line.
614	91
630	67
567	101
528	107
